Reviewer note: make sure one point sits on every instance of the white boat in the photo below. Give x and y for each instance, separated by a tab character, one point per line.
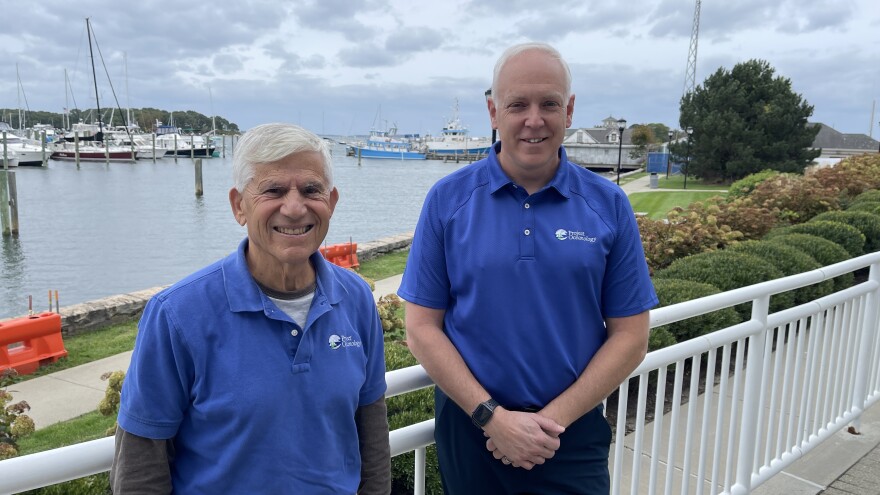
169	138
454	140
131	138
11	159
28	152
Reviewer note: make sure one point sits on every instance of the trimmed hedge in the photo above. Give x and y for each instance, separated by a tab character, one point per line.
867	223
790	261
847	236
673	291
872	195
728	270
869	206
822	250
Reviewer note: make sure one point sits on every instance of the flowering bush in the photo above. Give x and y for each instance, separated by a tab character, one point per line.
797	198
14	423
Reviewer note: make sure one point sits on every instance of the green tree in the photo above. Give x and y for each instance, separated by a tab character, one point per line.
746	120
643	137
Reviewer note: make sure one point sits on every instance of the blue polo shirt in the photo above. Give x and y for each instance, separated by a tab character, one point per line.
253	402
527	280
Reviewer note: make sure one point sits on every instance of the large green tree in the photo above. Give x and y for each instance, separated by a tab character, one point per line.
745	120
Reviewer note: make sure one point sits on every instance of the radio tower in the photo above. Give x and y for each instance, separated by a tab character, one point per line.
690	74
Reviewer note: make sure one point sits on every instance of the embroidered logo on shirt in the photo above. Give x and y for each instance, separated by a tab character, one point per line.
573	235
336	341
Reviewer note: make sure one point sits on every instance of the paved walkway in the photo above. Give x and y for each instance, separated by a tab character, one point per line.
844	464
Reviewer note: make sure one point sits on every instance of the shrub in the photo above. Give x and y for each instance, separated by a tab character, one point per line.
790	261
728	270
746	185
847	236
870	195
741	215
867	223
405	410
822	250
868	206
673	291
390	312
660	337
682	234
852	176
14	423
798	198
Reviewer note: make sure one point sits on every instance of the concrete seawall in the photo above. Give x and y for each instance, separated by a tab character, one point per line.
80	318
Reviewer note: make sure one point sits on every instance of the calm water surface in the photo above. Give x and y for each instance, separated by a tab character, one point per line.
102	229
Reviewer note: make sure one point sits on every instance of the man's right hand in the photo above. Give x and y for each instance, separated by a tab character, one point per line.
525	439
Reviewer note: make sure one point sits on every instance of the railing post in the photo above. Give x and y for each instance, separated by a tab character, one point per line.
863	361
752	391
419	474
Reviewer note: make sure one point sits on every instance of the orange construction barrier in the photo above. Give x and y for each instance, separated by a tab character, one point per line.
344	255
40	342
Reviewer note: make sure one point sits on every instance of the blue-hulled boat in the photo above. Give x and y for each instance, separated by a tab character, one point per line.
387	145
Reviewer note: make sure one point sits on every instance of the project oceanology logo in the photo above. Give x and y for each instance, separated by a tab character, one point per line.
335	341
573	235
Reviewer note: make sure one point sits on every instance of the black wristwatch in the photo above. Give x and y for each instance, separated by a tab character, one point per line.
483	413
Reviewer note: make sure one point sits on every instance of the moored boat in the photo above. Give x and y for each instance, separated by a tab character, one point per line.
27	152
169	138
93	152
386	144
11	159
454	140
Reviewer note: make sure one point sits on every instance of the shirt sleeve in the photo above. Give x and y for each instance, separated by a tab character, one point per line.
372	427
627	289
141	466
425	278
155	393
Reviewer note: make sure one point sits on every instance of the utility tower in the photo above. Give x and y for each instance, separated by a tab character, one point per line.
690	74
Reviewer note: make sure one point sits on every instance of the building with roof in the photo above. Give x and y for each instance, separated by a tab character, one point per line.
836	145
598	147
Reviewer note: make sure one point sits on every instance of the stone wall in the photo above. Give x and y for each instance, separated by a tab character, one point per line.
114	310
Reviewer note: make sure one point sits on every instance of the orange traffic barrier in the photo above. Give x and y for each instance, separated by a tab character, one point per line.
344	255
29	342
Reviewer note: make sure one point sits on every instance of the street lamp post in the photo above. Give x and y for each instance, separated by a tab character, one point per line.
489	95
687	161
621	126
669	153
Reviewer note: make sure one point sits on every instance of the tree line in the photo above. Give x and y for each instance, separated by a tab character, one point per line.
189	121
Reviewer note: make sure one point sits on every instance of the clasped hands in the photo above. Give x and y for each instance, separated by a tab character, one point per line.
522	439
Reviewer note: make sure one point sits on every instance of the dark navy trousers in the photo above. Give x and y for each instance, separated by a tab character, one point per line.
580	466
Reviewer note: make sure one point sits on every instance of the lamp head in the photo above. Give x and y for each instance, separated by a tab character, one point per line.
621	125
690	130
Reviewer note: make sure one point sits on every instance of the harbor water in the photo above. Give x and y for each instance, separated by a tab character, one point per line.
106	229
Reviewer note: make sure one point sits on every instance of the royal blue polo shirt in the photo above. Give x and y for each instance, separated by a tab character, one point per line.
255	403
527	281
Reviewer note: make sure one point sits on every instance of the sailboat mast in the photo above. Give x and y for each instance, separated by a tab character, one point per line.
66	124
100	136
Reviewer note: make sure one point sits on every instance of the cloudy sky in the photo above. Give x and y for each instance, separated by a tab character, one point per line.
344	66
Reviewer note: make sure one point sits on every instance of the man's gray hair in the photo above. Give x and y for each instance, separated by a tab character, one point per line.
522	47
269	143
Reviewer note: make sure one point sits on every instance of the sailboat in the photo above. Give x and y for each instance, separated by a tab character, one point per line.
97	149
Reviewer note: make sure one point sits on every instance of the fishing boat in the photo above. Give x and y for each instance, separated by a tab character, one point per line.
386	144
454	140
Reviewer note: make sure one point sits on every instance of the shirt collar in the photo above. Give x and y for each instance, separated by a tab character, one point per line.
243	294
498	179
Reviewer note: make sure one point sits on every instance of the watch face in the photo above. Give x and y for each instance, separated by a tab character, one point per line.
482	414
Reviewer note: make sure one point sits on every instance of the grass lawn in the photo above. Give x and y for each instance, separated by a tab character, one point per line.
677	182
657	204
90	426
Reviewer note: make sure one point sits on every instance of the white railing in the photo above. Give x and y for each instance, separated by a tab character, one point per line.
812	370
